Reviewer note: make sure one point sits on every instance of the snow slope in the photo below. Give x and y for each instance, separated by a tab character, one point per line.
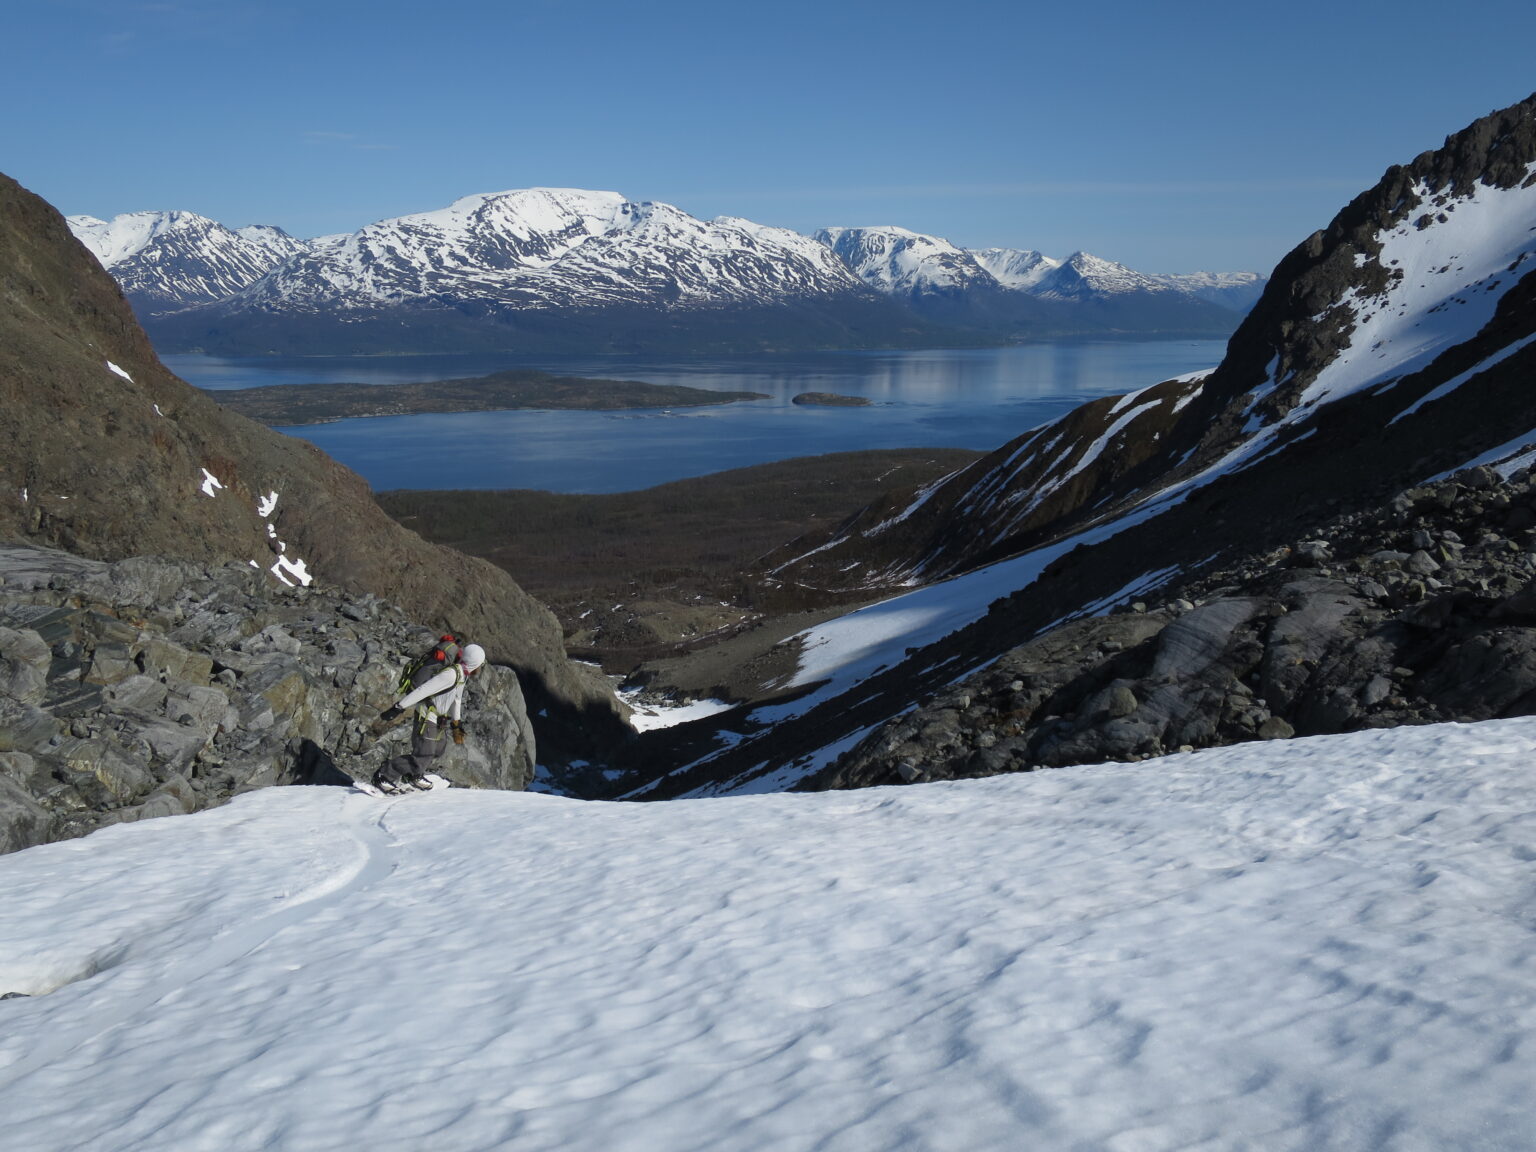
1320	945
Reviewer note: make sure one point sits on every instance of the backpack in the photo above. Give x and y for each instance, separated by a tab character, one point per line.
444	654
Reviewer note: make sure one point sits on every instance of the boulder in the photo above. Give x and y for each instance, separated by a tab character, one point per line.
23	821
24	663
166	660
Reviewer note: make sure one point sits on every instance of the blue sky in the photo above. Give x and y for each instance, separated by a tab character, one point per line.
1170	136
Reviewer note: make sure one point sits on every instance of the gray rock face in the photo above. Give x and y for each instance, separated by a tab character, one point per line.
157	687
1361	637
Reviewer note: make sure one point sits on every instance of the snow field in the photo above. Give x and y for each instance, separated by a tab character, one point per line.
645	717
1317	944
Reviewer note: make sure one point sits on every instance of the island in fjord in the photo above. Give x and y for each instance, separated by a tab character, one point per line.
289	404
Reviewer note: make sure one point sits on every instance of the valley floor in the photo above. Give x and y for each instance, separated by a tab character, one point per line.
1321	944
652	574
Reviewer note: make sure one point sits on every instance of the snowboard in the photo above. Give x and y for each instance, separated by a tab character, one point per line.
368	788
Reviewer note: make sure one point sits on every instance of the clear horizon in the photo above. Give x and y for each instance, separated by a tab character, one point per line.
1182	138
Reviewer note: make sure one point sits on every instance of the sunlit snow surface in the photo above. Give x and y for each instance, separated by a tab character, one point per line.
645	717
1309	945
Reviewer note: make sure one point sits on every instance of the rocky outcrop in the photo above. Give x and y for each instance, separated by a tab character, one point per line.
151	687
1417	612
109	455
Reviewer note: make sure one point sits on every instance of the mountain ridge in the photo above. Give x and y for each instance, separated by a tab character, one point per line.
544	266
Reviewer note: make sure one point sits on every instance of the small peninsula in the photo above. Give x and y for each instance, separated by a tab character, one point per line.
295	404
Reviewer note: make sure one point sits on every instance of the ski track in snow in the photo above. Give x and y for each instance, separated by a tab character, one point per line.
232	940
1319	945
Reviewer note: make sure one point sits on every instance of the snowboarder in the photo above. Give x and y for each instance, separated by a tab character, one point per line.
438	700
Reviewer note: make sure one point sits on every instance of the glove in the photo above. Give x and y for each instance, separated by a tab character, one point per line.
458	732
386	719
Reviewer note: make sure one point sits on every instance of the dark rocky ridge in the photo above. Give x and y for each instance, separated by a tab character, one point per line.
1417	612
107	468
1343	456
285	404
151	687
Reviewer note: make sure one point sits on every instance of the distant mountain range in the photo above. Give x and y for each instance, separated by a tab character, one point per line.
545	268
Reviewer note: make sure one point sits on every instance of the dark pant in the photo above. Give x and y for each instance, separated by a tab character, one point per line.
429	740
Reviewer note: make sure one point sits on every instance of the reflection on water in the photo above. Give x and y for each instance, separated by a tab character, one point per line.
963	398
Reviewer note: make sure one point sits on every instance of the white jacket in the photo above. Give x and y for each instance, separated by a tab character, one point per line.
442	694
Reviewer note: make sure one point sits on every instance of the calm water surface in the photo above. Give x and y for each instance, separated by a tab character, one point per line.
965	398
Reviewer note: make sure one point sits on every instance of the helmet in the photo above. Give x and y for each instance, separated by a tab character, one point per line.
472	657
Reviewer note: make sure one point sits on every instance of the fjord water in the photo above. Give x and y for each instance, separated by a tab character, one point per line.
944	398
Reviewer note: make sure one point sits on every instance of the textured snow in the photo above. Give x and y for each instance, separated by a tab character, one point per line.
1302	946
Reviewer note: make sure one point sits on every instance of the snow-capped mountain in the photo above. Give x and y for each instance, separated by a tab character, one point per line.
1013	268
898	262
547	248
1083	276
547	267
1022	290
1236	290
169	260
902	263
1393	348
554	267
